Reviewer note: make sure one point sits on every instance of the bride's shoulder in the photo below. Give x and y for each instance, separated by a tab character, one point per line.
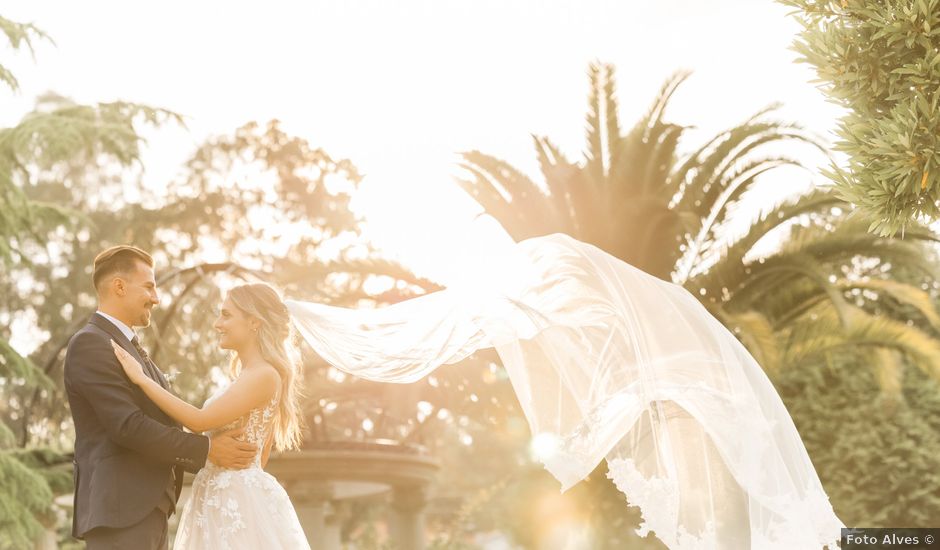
263	377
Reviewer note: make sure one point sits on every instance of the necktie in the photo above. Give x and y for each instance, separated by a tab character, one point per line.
140	350
148	364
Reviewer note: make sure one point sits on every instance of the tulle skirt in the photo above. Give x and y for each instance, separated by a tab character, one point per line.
238	509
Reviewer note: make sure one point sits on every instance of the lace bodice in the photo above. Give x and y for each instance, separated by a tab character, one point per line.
240	509
258	423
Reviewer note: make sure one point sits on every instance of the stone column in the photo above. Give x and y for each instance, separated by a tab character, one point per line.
47	540
408	504
311	500
333	533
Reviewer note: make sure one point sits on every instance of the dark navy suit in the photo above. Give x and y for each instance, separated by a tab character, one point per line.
129	455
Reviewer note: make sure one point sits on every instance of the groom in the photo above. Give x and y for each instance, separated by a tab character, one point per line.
129	456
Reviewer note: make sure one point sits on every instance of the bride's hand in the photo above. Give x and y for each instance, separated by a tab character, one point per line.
132	368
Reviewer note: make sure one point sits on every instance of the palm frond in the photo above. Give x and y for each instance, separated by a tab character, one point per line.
658	158
721	180
901	292
822	333
515	198
757	334
610	113
701	190
739	183
654	115
594	155
722	272
559	174
779	270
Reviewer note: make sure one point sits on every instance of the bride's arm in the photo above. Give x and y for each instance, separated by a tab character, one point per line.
254	388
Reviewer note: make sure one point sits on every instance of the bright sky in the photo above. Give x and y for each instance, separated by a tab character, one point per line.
401	87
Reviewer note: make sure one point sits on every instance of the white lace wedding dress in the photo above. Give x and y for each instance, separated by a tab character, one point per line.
240	509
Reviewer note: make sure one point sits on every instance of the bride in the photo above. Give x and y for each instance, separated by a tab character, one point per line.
232	509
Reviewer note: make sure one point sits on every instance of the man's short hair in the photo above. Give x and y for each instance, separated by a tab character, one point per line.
118	259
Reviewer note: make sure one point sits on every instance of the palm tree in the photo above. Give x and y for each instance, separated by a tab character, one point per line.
636	197
832	292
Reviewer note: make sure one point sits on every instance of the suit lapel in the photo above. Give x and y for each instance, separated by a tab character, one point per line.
122	341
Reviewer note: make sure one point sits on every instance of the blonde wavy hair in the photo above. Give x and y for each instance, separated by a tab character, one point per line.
261	301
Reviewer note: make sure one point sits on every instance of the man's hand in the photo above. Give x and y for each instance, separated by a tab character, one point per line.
228	452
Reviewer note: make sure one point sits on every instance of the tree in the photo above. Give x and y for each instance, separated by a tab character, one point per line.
631	195
815	297
669	214
58	133
879	60
877	458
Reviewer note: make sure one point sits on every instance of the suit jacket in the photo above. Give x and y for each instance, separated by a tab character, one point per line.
125	446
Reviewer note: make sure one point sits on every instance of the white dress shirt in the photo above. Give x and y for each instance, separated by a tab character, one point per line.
125	330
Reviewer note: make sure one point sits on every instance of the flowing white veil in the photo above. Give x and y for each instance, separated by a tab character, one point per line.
608	362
